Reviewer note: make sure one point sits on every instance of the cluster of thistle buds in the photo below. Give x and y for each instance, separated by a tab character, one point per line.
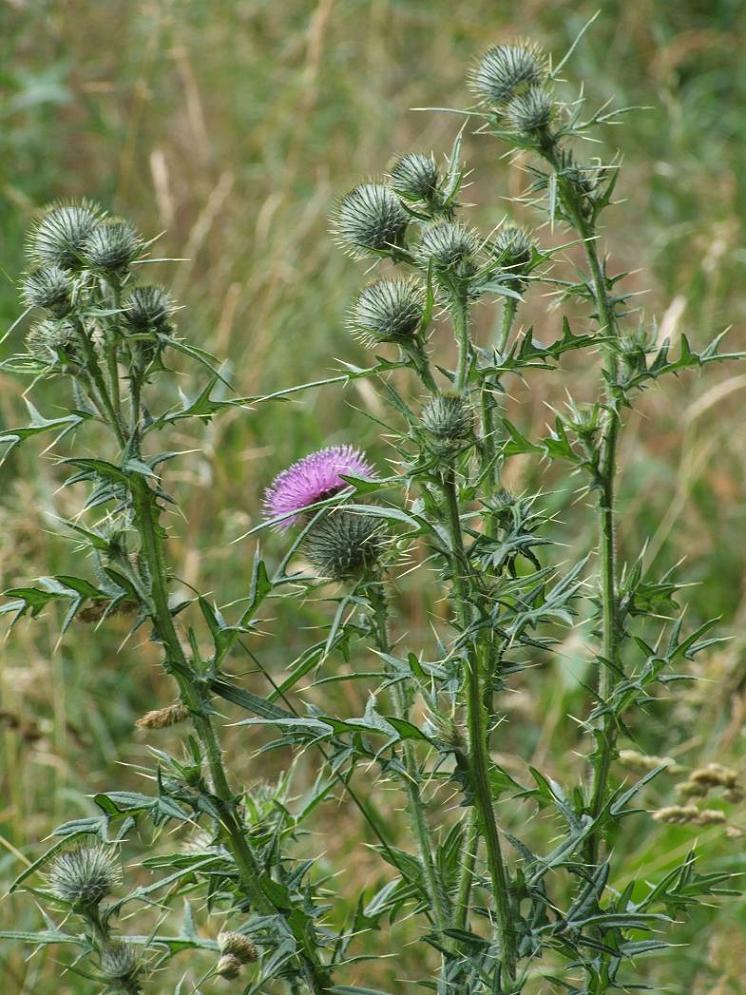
80	259
410	218
236	950
81	879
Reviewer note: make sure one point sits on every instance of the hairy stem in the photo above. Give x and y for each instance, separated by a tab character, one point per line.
232	831
460	318
377	599
478	723
608	324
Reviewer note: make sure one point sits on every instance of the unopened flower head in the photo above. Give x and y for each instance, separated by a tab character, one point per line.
449	248
370	217
48	287
121	967
415	176
53	341
344	544
237	945
60	237
531	111
83	877
311	479
507	70
147	308
387	311
514	248
448	422
112	246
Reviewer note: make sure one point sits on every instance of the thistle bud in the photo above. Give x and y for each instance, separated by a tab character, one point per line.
147	308
370	217
387	311
112	246
344	544
450	248
161	718
448	424
60	236
415	176
83	877
531	111
47	287
121	967
53	342
507	70
513	248
237	945
228	967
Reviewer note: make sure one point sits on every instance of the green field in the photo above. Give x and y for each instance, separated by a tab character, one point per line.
232	127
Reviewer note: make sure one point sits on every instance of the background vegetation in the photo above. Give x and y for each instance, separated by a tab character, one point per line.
233	125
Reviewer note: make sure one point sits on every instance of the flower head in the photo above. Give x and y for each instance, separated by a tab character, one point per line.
531	111
450	248
506	70
47	287
388	311
370	217
146	308
112	246
84	876
344	545
415	176
60	236
313	478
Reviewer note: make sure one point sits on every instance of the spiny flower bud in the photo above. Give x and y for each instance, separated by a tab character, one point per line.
228	967
370	217
450	248
47	287
415	176
161	718
237	945
112	246
448	424
147	308
344	544
514	248
61	234
83	877
52	342
531	111
121	967
506	70
387	311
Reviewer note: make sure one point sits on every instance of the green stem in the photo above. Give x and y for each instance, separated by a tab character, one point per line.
94	371
608	324
377	599
468	865
460	318
488	405
479	762
232	831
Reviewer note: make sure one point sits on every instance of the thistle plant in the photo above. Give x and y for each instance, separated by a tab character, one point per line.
503	904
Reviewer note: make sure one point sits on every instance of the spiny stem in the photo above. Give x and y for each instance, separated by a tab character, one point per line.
607	319
232	832
488	405
468	864
460	318
377	599
478	750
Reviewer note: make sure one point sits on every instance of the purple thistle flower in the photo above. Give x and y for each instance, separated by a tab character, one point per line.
311	479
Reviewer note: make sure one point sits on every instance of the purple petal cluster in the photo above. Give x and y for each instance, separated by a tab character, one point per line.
313	478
